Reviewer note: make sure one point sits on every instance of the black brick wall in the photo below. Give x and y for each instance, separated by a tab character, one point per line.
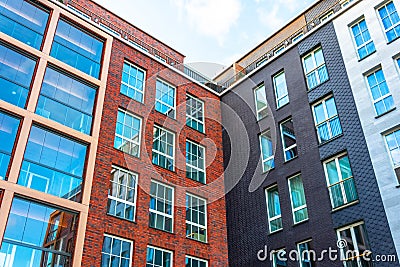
247	212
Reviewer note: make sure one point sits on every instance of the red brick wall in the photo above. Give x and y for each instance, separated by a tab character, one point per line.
100	12
142	235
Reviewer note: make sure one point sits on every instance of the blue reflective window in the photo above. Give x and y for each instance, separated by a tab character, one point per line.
127	133
66	100
53	164
390	20
24	21
327	120
165	98
315	68
8	132
77	48
132	83
38	235
16	72
163	148
195	113
382	98
364	44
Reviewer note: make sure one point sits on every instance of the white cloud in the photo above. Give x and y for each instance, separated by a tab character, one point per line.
272	18
212	18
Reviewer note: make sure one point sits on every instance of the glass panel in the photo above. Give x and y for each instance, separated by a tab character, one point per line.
281	89
289	140
32	228
116	252
127	133
53	164
298	198
77	48
267	151
163	148
132	82
8	132
261	102
165	99
23	21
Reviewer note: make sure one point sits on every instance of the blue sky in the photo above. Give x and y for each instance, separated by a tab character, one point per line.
217	31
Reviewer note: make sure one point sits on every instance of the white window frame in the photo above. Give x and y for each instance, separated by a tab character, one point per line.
355	244
365	43
315	69
294	210
381	22
297	37
258	111
130	140
277	216
345	3
277	99
163	200
136	177
163	250
163	103
373	72
326	16
283	141
341	180
275	253
272	157
197	259
122	239
397	63
279	50
327	118
308	241
199	225
195	119
162	153
395	166
132	87
203	169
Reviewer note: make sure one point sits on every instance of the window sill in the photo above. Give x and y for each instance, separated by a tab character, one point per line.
132	99
198	241
267	171
383	114
124	219
275	232
162	168
259	120
332	139
281	107
164	231
126	153
290	160
315	87
398	186
201	183
197	131
172	118
345	206
299	223
389	42
361	59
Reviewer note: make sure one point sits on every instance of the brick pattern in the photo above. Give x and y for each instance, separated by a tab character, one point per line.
99	223
370	209
122	24
323	6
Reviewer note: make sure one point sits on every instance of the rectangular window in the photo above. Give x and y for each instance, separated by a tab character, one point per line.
53	164
346	3
195	262
77	48
305	257
315	68
390	20
165	98
297	37
116	252
132	84
273	209
326	16
298	199
163	148
340	180
267	153
127	133
122	194
196	218
157	257
357	245
393	144
364	44
326	119
38	235
288	140
382	98
67	100
195	162
281	92
279	258
161	206
195	113
23	21
8	133
16	71
279	50
261	102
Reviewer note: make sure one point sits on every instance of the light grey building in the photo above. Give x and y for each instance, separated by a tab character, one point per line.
369	39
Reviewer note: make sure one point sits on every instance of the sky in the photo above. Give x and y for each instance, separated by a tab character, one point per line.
214	31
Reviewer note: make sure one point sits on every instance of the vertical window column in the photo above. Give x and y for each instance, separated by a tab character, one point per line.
8	133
